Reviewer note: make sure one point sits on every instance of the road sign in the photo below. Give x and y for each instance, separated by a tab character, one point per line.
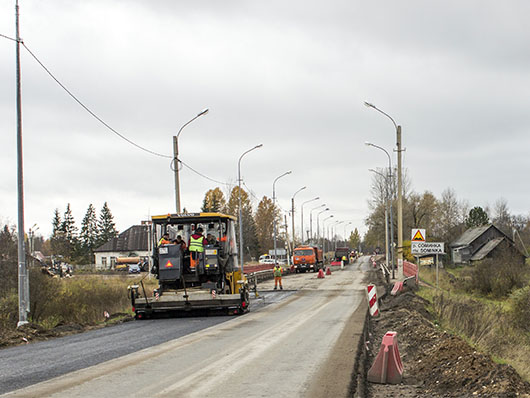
418	235
420	248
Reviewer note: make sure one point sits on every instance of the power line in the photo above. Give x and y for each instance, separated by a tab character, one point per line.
202	175
250	191
90	111
7	37
106	124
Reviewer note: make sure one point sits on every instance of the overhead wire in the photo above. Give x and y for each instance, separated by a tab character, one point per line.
110	128
7	37
86	108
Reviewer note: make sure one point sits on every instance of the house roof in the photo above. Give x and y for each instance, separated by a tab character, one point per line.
486	249
132	239
473	233
470	235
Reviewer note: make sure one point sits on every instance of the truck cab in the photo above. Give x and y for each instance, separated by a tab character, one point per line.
307	258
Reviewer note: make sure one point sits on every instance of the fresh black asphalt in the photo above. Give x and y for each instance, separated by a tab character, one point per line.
25	365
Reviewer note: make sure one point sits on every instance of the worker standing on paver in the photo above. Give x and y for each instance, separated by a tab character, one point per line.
278	276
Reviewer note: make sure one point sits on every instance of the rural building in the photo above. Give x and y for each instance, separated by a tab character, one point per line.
483	242
133	242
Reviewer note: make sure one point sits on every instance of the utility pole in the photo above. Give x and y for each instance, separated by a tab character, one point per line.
23	282
176	159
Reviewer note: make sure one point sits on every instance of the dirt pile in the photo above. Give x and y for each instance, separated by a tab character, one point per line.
436	363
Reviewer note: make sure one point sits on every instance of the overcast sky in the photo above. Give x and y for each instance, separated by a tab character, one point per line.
292	75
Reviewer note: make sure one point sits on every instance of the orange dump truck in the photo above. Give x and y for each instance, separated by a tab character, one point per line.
307	258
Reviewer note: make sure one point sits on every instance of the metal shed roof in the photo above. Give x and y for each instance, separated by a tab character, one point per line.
486	249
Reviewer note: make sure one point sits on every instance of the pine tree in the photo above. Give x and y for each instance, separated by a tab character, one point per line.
68	225
106	229
89	231
477	217
56	223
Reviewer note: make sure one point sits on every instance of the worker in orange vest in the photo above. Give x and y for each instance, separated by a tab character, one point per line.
278	276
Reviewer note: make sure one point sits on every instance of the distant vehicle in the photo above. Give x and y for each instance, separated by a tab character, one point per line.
121	267
342	253
134	269
266	259
307	258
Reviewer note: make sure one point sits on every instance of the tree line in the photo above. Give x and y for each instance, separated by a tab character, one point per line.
77	245
445	218
258	224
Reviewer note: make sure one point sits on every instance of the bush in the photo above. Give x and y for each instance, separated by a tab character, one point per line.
498	277
9	311
519	308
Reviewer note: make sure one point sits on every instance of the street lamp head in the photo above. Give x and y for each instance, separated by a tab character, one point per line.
367	143
369	105
203	112
258	146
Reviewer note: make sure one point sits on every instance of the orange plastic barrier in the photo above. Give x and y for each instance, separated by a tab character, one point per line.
410	269
387	367
320	273
328	271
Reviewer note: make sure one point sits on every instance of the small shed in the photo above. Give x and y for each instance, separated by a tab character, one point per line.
479	243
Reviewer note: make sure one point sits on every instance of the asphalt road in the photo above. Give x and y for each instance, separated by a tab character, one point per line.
26	365
156	343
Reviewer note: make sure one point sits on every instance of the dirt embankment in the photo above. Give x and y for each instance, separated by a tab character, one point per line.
436	363
32	332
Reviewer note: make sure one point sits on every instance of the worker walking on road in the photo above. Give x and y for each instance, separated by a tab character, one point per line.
278	276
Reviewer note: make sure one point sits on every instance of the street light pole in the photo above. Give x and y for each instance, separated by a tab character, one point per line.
292	213
400	184
345	239
302	215
334	235
318	224
324	235
240	214
388	245
176	159
274	209
389	199
311	221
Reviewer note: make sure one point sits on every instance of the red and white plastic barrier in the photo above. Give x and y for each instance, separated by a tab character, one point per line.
387	366
410	269
372	300
398	287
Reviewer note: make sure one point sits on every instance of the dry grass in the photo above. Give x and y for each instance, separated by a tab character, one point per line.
81	300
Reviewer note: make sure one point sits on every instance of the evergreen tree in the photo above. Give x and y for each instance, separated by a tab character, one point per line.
56	223
68	225
477	217
88	236
106	229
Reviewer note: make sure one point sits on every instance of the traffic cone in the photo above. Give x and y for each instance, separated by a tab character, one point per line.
328	271
320	273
